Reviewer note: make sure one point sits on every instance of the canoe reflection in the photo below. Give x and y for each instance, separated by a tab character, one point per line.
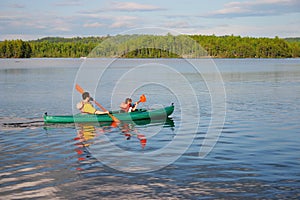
90	133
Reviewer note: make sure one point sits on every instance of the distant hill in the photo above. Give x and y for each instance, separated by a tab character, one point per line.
74	39
153	46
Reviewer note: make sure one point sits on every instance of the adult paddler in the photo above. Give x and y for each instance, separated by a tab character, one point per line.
85	106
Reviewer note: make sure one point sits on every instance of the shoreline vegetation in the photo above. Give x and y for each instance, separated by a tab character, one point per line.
153	46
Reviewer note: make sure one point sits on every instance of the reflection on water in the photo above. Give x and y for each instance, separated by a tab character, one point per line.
256	157
50	158
27	178
125	135
91	133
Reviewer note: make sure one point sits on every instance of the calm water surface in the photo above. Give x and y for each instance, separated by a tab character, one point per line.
257	155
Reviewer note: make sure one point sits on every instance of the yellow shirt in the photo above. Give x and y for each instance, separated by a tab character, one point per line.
88	108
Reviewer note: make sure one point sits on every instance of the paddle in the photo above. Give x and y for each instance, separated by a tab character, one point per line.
81	91
141	137
143	98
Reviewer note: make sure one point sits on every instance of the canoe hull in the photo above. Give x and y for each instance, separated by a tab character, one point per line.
133	116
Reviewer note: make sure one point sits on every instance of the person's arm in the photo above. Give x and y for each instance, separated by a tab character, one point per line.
135	105
98	112
79	105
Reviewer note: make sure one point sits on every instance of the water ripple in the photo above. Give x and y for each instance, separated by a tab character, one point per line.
255	157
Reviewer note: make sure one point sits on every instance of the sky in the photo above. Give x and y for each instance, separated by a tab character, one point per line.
34	19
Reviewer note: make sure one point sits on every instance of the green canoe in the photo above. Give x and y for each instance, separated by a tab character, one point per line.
132	116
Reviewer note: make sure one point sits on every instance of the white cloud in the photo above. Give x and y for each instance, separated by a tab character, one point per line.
123	22
19	36
34	22
93	25
257	8
178	24
132	6
6	17
61	28
69	3
113	16
111	20
247	30
16	20
17	5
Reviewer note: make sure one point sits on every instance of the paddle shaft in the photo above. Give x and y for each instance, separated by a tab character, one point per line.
113	117
81	91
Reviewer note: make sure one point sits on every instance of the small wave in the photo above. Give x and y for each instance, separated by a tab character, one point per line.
10	123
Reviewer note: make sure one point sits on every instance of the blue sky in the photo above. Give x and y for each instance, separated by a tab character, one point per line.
35	19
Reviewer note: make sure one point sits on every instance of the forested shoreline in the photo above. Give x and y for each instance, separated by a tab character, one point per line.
153	46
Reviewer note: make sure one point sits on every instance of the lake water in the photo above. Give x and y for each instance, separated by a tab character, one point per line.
234	133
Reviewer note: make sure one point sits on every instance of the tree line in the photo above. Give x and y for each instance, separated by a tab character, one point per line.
153	46
15	49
